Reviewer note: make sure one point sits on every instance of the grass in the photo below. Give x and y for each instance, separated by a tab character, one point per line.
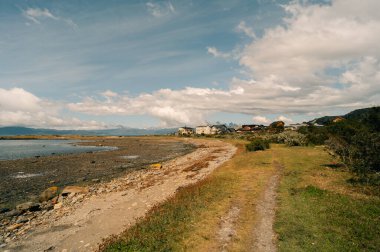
319	210
165	225
189	221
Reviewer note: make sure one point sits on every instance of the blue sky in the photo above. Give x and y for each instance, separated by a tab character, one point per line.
89	64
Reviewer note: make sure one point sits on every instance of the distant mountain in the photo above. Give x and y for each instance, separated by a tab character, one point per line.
14	131
365	115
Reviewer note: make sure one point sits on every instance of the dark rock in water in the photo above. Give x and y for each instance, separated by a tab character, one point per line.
12	213
4	210
93	162
48	194
28	206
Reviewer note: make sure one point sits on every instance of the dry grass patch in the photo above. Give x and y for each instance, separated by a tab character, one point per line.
191	219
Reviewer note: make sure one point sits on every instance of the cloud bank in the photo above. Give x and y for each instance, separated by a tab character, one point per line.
19	107
322	57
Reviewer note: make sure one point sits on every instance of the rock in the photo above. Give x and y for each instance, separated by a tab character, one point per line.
54	200
24	206
12	213
14	226
156	166
58	205
48	194
31	206
81	179
77	198
4	210
95	180
46	206
22	220
74	189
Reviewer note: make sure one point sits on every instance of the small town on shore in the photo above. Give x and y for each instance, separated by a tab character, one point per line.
220	129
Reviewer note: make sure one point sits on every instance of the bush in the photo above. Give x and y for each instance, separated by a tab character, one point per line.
257	144
314	135
290	138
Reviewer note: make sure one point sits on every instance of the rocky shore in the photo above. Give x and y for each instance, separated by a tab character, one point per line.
23	180
78	217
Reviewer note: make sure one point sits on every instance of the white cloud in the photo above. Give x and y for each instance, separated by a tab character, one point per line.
36	15
160	9
315	38
260	120
284	119
234	54
19	107
242	27
216	53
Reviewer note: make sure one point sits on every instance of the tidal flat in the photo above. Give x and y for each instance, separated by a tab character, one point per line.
24	179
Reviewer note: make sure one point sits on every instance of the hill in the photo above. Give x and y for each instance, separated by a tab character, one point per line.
365	115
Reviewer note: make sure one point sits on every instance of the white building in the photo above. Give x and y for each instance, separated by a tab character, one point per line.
185	131
205	130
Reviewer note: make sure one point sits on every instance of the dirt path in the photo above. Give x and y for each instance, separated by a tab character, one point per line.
265	237
110	208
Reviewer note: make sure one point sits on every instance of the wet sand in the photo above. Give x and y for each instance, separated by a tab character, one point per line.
23	180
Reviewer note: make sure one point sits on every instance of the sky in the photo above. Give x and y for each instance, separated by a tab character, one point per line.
87	64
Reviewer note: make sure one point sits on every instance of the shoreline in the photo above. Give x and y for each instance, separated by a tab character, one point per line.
81	168
118	203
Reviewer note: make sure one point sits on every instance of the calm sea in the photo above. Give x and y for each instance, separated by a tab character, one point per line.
16	149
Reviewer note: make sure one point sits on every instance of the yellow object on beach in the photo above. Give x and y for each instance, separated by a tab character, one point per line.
156	166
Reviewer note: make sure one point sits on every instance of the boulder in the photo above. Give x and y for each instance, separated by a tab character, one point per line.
74	189
28	206
48	194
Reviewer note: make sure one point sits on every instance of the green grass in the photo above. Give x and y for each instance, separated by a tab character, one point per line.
167	225
312	219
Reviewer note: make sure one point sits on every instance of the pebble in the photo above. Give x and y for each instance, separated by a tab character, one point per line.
14	226
58	205
22	220
12	213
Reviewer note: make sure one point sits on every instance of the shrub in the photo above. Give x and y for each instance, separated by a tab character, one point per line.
257	144
290	138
